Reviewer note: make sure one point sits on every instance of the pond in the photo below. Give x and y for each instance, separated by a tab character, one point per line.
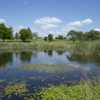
38	69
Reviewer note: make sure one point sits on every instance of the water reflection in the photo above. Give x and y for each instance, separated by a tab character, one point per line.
5	58
48	67
50	56
84	59
49	52
60	52
25	56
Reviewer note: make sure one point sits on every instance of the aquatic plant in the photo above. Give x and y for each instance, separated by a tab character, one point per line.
50	68
17	89
75	92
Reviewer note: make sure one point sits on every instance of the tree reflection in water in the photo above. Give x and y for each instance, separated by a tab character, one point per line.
5	58
84	58
25	56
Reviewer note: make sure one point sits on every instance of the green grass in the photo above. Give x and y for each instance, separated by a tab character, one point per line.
50	68
17	88
76	92
83	91
88	48
37	44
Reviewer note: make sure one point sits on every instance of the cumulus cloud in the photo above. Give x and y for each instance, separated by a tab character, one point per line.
78	24
97	29
56	25
2	20
48	22
17	29
87	21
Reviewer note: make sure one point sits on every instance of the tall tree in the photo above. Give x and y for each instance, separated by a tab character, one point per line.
25	34
5	32
75	35
60	37
50	37
92	35
16	35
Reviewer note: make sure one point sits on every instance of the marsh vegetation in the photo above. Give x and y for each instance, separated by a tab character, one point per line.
49	68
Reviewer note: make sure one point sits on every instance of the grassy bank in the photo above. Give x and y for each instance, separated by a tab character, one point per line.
36	44
76	92
88	48
82	91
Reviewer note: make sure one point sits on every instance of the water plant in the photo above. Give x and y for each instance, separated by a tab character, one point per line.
75	92
17	89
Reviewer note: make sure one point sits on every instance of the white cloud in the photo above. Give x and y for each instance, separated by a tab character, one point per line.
49	26
56	25
87	21
2	20
17	29
47	23
75	24
97	29
21	27
78	24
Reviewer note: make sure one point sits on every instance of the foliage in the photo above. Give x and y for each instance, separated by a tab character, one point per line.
74	35
17	36
91	35
17	88
25	35
50	37
45	38
60	37
5	32
75	92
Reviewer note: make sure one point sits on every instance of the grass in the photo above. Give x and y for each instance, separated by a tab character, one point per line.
83	47
88	48
37	44
85	90
76	92
17	88
50	68
82	91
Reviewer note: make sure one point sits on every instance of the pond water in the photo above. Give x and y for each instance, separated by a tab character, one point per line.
39	69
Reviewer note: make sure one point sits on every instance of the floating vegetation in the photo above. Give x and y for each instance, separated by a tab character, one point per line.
17	89
75	92
50	68
1	81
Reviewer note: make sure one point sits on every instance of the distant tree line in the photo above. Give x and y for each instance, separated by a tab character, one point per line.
83	36
25	34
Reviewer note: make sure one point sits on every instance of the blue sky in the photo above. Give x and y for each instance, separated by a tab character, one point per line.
57	16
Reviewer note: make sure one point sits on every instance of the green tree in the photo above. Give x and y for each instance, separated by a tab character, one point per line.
17	36
75	35
5	32
50	37
46	38
60	37
92	35
25	34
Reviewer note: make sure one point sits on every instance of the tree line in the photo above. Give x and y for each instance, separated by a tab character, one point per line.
83	36
25	34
